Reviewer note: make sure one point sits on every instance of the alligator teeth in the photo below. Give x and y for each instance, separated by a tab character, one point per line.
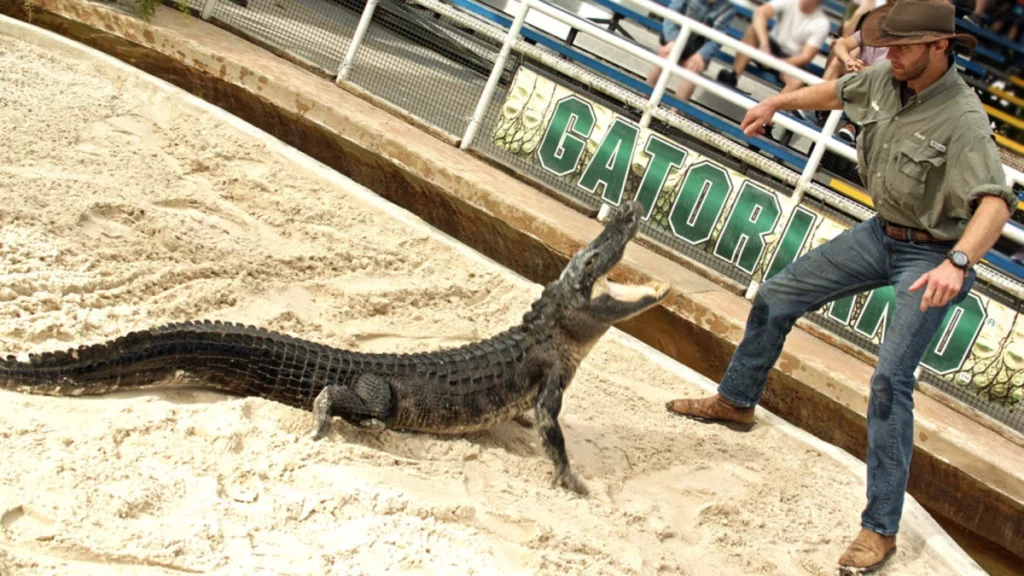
635	293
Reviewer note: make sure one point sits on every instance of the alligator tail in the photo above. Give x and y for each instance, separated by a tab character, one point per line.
232	358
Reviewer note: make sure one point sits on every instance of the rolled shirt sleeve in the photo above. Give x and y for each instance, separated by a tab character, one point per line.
976	171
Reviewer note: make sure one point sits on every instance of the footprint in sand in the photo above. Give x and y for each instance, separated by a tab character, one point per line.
23	522
235	225
105	220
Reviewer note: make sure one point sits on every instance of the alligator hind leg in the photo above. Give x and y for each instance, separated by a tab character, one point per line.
549	404
368	403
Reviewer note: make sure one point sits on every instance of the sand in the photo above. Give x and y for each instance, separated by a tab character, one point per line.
125	206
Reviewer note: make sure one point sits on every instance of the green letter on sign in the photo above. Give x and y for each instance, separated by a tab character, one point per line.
953	341
753	217
841	309
610	164
700	202
876	312
797	231
566	135
664	157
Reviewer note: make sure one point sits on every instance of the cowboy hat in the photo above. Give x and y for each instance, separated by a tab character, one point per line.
913	22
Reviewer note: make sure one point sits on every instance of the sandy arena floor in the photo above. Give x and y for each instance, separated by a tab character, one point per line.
124	205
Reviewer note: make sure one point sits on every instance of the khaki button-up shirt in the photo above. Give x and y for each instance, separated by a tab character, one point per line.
926	164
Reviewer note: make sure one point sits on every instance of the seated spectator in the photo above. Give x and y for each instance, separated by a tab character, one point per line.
1007	18
851	55
799	33
698	51
855	12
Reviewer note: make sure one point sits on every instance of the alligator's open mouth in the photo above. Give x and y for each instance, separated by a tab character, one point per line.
655	290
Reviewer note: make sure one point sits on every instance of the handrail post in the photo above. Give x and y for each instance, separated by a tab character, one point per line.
814	159
659	88
357	40
492	80
208	7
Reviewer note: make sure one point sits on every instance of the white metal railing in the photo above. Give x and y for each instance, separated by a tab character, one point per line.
822	139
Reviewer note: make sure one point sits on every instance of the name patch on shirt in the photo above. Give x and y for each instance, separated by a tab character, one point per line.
937	146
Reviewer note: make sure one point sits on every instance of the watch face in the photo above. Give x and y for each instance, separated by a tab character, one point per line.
960	259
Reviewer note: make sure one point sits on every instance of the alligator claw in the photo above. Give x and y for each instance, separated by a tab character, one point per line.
372	424
524	421
320	429
571	481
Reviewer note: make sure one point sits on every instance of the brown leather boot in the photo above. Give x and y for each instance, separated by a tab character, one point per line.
868	552
714	409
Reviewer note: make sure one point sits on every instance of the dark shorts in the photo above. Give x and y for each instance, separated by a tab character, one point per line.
778	53
695	43
777	50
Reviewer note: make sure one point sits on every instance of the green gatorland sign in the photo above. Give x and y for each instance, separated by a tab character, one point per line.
738	223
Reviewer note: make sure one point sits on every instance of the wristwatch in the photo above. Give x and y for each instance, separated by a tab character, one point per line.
959	259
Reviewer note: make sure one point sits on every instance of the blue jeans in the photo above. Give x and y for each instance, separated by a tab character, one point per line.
858	260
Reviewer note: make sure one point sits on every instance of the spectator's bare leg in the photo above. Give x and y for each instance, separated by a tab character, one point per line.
740	64
685	90
850	26
791	83
663	51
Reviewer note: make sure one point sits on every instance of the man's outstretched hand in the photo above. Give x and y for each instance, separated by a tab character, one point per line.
757	118
943	284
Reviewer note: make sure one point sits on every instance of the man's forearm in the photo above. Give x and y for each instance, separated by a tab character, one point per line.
984	228
818	97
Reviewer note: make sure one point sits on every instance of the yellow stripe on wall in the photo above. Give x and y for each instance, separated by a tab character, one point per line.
851	192
1007	96
1011	144
1016	122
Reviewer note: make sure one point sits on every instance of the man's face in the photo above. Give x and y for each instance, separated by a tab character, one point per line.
910	61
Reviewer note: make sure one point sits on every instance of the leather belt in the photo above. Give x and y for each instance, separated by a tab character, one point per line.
905	234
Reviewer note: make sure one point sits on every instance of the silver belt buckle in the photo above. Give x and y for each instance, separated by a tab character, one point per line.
910	235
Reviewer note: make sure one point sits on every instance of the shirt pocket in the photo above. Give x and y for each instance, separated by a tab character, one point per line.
908	176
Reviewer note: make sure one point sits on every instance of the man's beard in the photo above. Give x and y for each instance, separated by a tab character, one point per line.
913	70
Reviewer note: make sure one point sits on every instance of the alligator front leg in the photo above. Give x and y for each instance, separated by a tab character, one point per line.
549	404
367	404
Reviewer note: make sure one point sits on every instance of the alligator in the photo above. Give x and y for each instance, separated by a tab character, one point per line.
456	390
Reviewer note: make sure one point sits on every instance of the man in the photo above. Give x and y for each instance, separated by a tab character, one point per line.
798	35
698	51
934	175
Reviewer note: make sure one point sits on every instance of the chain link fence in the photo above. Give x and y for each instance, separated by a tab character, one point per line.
423	63
317	32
